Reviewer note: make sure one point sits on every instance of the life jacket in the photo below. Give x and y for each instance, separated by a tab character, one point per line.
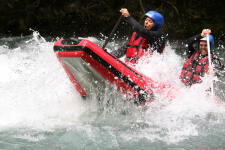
194	68
136	48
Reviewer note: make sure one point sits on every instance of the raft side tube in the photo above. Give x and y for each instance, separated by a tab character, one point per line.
127	79
72	78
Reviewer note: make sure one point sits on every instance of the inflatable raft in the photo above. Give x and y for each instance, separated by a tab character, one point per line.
95	61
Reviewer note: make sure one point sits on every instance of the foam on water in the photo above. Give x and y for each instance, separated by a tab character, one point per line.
176	119
35	91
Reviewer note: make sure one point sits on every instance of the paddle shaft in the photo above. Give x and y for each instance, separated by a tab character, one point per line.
210	62
113	30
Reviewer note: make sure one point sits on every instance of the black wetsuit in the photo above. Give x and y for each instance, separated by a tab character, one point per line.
218	66
156	39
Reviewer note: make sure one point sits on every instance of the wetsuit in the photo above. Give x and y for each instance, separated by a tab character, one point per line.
197	65
155	39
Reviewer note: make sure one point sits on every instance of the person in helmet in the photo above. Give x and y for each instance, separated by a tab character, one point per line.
197	64
145	39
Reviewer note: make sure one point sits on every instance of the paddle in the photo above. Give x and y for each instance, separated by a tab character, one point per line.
210	62
113	30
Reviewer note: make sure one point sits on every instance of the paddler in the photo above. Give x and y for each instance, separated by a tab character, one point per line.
144	40
198	63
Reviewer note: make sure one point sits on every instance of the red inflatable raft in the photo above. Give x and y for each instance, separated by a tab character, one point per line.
127	80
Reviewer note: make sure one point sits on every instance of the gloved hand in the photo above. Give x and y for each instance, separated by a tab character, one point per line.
205	32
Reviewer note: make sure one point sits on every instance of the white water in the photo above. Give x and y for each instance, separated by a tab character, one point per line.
178	117
36	93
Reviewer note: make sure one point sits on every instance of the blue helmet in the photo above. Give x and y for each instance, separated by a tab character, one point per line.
211	41
157	18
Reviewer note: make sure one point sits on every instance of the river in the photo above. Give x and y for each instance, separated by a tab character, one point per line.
39	108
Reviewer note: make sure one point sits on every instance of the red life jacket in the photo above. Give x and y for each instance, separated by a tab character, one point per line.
194	68
136	48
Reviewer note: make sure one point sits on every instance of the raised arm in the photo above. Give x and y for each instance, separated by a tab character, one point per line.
150	35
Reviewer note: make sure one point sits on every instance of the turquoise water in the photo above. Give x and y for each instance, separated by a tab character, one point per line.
39	108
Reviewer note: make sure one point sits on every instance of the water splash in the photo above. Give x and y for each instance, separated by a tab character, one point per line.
174	121
35	91
36	94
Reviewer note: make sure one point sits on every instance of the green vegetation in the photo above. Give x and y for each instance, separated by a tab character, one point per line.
183	18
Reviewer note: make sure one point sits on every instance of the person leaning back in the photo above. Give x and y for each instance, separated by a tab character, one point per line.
144	40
